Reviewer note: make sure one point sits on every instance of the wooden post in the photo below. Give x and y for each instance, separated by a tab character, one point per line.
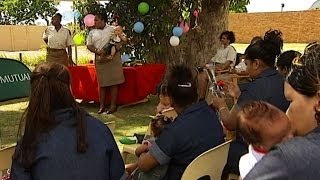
20	57
76	54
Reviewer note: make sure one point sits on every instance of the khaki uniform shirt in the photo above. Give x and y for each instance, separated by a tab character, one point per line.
100	37
58	39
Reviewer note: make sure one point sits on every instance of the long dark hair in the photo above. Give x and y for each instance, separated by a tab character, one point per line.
267	49
305	74
50	91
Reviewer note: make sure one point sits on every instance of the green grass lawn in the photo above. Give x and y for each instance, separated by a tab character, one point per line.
129	119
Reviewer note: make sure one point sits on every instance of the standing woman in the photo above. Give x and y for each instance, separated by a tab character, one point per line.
58	38
60	140
109	71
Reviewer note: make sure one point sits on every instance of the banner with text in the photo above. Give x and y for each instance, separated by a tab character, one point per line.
14	79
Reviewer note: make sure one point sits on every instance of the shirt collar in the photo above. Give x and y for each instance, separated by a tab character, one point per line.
62	114
268	72
194	107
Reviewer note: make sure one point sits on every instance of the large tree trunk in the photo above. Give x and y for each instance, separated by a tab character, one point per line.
199	45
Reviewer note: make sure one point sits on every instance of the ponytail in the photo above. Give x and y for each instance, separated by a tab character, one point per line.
267	49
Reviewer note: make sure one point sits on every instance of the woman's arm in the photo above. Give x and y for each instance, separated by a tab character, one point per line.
229	118
141	149
92	49
226	65
123	37
146	162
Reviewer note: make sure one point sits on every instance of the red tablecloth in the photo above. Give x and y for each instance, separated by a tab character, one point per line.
140	81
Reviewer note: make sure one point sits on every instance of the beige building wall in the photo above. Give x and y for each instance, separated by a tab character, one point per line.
21	38
297	27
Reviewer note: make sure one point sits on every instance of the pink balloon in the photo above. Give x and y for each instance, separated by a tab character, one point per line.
184	26
196	13
89	20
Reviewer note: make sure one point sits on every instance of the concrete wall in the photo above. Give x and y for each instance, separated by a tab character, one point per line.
297	27
21	38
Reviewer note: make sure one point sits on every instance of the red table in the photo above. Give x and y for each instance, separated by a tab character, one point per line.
140	81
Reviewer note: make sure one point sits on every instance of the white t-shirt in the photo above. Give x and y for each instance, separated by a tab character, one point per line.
58	39
248	161
100	37
224	55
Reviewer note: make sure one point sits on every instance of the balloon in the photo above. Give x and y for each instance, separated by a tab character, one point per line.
89	20
184	26
79	39
177	31
125	58
196	13
67	16
174	41
143	8
76	14
138	27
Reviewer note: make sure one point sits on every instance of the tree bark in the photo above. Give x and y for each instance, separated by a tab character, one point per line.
200	44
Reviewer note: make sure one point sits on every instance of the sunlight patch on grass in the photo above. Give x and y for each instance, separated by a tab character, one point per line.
129	119
286	46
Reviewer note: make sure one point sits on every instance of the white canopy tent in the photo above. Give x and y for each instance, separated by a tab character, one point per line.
315	5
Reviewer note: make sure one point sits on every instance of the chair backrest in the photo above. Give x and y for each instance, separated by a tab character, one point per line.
6	157
111	125
209	163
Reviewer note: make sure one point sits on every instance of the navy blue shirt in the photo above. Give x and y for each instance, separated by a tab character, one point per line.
268	86
57	157
297	158
196	130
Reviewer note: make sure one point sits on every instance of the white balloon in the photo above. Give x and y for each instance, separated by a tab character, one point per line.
174	41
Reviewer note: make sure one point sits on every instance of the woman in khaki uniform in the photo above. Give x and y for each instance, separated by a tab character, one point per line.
109	71
58	38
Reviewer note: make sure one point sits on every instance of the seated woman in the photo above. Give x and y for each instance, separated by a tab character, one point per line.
262	126
226	56
60	140
193	132
267	85
284	61
298	158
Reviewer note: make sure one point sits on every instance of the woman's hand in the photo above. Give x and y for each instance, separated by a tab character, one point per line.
233	90
141	149
99	52
218	102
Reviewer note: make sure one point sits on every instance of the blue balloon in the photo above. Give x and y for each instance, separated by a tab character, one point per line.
138	27
177	31
67	16
76	14
125	58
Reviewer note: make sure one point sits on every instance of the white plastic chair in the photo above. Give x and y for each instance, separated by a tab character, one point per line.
209	163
